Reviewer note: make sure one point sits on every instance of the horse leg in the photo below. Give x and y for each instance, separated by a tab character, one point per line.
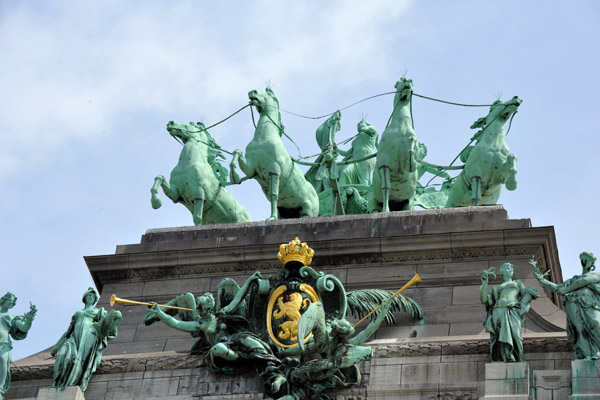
511	165
386	185
155	200
198	206
273	193
239	160
475	190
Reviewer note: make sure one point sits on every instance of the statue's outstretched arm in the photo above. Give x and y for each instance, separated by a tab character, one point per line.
537	274
582	281
185	326
24	323
484	296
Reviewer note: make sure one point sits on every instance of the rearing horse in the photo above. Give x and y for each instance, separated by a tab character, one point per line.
193	181
267	161
489	163
395	176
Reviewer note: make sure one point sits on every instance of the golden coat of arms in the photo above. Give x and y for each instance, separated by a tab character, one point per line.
284	310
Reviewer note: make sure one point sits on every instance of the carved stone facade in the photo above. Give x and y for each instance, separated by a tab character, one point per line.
447	248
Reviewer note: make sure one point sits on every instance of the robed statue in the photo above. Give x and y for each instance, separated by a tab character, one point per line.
506	307
79	350
581	297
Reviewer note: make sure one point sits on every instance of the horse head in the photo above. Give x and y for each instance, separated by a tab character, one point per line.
264	101
185	131
404	89
500	111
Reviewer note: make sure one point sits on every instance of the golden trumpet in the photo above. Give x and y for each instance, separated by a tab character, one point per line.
114	299
414	280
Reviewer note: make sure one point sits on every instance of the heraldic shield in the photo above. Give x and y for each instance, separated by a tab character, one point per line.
296	287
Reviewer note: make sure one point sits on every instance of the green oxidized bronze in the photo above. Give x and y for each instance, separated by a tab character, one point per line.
395	175
79	351
267	161
291	327
197	181
489	164
505	313
581	297
11	326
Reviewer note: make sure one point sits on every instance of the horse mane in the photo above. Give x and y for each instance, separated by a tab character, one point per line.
272	94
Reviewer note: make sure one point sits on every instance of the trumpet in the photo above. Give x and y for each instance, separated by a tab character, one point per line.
414	280
114	299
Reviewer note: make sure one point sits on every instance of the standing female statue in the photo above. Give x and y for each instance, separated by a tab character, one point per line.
79	351
505	313
11	326
582	305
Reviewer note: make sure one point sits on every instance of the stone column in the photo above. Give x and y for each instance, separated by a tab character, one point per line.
507	381
585	379
68	393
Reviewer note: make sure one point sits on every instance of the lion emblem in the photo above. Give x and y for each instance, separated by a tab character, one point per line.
290	309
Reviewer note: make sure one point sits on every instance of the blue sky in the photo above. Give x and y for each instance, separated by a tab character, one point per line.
88	87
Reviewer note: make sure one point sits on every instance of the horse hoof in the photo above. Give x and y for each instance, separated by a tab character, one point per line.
156	202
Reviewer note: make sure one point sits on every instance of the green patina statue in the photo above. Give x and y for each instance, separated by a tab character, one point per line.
79	351
395	175
428	197
11	326
505	313
489	164
291	326
363	145
582	305
326	170
338	350
197	180
223	332
267	161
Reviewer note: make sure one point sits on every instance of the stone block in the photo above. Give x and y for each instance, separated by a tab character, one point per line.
419	373
160	388
453	372
551	384
68	393
174	287
585	379
393	332
467	328
507	379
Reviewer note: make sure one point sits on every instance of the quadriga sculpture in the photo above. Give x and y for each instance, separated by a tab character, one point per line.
395	176
194	183
489	164
582	305
267	161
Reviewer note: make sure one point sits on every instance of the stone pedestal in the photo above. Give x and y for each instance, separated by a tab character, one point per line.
585	380
68	393
507	381
551	384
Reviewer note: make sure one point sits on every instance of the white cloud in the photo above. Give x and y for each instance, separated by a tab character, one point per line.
74	71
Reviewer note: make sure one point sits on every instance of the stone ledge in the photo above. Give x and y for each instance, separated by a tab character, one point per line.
398	223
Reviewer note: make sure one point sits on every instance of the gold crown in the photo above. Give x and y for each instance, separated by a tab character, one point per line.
295	251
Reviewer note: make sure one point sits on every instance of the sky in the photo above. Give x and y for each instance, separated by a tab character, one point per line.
86	90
